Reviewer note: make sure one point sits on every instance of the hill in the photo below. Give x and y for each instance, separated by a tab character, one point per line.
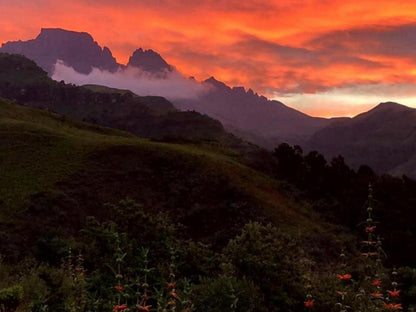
150	116
383	138
57	172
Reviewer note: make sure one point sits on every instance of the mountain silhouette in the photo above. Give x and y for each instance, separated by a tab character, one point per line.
150	61
76	49
383	138
254	117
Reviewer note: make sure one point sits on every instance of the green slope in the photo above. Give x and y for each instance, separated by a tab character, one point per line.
44	153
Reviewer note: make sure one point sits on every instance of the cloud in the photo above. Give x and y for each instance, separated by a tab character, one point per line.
172	86
381	40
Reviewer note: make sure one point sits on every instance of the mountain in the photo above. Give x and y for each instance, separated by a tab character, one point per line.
244	113
150	61
383	138
154	117
76	49
252	116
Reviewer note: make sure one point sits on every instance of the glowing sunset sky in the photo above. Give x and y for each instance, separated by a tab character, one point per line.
325	58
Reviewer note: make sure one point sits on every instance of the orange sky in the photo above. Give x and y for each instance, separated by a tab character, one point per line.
326	58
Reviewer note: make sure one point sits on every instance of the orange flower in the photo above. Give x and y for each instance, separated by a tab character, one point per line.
369	254
309	303
145	296
394	293
171	285
370	229
393	307
376	283
120	307
377	295
344	277
145	308
369	243
342	293
118	288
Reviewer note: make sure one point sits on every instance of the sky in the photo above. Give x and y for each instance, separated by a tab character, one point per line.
323	57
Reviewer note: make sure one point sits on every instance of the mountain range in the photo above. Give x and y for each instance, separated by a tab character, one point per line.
242	112
382	137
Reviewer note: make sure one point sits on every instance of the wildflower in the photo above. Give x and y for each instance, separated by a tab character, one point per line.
376	283
171	285
342	293
145	296
394	293
309	303
377	295
393	307
174	295
118	288
370	229
144	308
121	307
344	277
78	269
370	243
369	254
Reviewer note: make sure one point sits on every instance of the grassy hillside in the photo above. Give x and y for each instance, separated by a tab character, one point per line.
46	153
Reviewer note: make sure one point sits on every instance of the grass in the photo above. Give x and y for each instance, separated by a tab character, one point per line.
39	149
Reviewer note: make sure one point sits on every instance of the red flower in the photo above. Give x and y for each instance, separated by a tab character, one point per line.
145	296
369	243
342	293
145	308
120	307
118	288
370	229
369	254
393	307
394	293
376	283
174	295
377	295
344	277
309	303
171	285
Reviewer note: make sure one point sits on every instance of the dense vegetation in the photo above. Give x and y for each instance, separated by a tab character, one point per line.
93	218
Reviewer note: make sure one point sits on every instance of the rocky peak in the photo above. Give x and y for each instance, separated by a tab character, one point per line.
149	60
75	49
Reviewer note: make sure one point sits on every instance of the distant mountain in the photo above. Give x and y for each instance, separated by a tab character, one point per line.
76	49
252	116
383	138
242	112
150	61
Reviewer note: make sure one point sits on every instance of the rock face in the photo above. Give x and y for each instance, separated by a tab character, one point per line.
383	138
76	49
252	116
150	61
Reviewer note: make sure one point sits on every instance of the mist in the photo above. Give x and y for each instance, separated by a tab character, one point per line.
172	86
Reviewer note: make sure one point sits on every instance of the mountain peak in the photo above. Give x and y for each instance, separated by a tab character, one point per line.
61	33
390	106
216	83
76	49
149	61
